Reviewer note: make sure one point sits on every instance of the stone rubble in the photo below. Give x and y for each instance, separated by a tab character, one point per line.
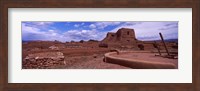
43	60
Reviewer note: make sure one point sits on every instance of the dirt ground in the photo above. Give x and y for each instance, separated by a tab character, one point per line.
75	58
150	57
88	62
86	56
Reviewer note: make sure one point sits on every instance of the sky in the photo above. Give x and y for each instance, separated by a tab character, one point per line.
76	31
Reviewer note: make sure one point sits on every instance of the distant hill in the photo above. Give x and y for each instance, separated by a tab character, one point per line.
169	40
166	40
25	41
172	40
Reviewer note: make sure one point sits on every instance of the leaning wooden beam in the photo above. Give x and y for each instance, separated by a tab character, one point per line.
157	47
164	43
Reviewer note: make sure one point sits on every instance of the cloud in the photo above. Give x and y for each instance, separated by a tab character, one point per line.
28	29
143	30
34	33
76	25
131	23
39	23
169	26
92	26
147	37
151	30
43	23
82	23
78	35
102	25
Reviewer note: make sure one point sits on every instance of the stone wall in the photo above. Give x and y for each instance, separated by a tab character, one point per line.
43	60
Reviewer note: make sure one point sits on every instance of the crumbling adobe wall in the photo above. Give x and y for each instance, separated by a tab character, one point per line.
110	37
126	36
123	37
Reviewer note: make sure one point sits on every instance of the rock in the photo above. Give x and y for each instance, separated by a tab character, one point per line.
53	47
95	56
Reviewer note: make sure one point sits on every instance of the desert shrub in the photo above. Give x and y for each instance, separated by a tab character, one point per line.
155	45
103	45
141	46
81	41
175	46
91	40
56	41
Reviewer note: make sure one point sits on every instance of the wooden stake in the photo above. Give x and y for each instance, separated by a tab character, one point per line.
164	44
157	47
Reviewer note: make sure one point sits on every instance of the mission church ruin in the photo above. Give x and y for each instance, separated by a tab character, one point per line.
123	37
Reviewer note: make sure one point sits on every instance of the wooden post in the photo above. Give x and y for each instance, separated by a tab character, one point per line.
157	47
164	44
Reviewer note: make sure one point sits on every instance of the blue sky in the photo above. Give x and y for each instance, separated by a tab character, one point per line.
76	31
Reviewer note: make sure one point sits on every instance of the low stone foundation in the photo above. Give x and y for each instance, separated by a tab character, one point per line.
136	63
43	60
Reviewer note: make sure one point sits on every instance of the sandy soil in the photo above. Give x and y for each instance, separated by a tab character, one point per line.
88	62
